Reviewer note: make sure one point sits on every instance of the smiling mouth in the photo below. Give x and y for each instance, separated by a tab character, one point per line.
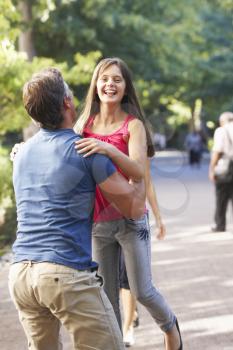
110	92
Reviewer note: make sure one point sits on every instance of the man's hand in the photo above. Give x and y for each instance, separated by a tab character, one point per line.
129	199
211	175
213	162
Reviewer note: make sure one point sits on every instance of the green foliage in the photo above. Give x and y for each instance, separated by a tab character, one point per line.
9	20
16	70
13	72
81	72
7	203
8	228
179	49
6	190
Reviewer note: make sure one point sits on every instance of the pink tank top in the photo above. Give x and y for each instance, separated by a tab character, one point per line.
104	211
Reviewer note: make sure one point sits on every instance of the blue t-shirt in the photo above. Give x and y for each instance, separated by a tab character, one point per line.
54	189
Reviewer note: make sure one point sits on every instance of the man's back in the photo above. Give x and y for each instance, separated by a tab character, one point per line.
223	139
55	189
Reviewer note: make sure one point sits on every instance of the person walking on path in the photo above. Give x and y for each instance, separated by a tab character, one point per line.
194	146
53	278
222	147
112	123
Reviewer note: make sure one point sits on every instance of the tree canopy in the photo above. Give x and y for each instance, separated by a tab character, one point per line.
178	51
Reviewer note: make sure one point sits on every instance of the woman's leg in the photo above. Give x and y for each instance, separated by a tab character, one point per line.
137	252
136	247
127	298
106	252
129	307
222	199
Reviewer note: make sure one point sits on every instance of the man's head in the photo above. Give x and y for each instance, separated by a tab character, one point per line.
47	99
225	118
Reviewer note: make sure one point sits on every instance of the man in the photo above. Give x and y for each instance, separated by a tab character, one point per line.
223	145
53	279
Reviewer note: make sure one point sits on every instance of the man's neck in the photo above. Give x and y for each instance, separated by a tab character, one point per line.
66	126
67	123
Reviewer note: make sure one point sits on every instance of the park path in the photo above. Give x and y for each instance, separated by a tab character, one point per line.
192	267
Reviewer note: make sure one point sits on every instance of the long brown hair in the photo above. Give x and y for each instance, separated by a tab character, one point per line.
130	103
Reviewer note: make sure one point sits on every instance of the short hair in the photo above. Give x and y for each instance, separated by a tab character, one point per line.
226	117
43	97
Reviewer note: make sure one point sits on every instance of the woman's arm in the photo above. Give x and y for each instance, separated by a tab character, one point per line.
133	166
152	199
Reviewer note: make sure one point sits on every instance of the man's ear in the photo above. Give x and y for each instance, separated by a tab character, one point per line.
66	102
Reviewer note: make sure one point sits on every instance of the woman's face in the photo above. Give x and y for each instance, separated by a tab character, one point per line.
111	85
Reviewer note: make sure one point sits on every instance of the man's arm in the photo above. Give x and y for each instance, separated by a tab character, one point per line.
213	162
129	199
216	152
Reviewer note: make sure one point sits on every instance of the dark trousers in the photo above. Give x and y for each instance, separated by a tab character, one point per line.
224	194
194	157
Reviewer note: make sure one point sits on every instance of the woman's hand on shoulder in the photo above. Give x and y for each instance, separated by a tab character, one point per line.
88	146
15	150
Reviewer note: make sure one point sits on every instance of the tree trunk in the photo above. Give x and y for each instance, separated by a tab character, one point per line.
26	42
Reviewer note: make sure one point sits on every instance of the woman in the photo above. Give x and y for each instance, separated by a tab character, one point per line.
112	123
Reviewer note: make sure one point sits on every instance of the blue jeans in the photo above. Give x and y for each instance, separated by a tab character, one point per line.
133	237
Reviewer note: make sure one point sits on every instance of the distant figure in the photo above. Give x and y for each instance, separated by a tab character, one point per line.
194	146
159	141
223	146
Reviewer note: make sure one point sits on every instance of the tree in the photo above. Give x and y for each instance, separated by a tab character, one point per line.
179	51
26	41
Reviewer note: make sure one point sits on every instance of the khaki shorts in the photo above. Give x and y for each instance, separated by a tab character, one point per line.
47	295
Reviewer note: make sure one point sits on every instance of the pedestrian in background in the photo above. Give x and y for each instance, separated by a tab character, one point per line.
222	153
194	147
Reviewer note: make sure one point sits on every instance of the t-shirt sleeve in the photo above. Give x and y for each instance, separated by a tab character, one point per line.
218	140
100	166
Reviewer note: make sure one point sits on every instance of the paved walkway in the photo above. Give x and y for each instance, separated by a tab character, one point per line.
192	267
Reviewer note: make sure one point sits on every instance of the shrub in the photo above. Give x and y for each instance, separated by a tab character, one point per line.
7	203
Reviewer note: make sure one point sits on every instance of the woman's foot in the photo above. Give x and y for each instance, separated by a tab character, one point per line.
173	340
129	338
136	319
